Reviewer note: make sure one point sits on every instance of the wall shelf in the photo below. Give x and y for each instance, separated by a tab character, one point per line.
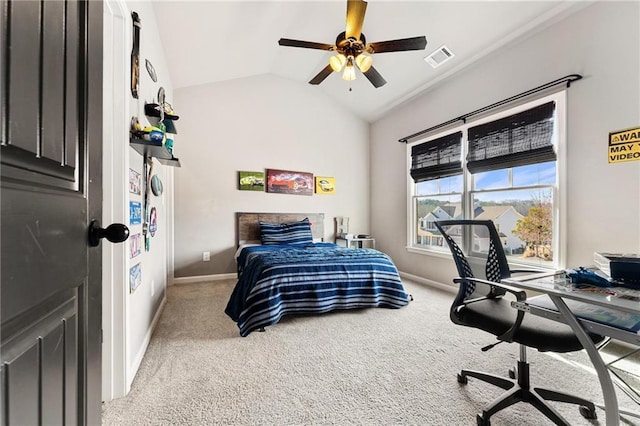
153	111
173	161
152	149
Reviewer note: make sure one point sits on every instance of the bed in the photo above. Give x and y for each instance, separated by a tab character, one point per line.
300	274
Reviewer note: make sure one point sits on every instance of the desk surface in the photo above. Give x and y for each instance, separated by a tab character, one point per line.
622	303
619	298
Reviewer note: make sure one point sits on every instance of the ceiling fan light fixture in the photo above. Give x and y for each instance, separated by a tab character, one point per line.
364	62
349	70
337	62
349	73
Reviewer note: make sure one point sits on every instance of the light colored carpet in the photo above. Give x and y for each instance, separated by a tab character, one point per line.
364	367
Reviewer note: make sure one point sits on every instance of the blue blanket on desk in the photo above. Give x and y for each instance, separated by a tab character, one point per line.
282	280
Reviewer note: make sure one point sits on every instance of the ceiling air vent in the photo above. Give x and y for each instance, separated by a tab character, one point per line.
439	57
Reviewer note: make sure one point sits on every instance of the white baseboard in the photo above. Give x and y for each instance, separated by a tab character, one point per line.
145	344
446	287
203	278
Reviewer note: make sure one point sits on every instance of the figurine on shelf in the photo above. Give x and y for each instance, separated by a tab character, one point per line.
149	133
135	125
163	111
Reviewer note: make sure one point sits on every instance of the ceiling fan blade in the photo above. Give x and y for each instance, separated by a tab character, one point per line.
306	44
319	78
355	18
374	77
413	43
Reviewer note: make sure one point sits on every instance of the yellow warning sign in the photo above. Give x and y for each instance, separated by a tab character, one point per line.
624	145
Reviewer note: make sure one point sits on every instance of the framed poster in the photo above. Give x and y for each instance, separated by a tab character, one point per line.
135	277
288	182
134	182
135	245
251	181
135	212
325	185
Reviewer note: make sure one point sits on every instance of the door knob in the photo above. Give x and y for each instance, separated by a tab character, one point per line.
115	233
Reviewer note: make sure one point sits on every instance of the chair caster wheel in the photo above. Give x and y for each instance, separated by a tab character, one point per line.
588	413
462	379
482	421
512	373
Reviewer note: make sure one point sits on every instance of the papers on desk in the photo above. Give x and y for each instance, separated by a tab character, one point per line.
619	292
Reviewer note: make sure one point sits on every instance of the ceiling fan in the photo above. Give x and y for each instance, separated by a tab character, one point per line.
352	48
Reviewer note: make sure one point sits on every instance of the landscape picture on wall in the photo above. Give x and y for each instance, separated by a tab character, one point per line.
289	182
251	181
325	185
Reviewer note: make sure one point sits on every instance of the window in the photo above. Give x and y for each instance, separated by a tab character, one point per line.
504	167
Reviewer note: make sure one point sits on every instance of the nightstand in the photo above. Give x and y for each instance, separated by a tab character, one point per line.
356	242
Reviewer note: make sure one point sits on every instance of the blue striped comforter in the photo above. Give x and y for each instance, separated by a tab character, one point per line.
283	280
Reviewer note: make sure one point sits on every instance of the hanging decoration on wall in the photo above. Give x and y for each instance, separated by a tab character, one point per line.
156	185
153	222
325	185
624	145
135	56
135	245
251	181
289	182
151	70
147	184
161	96
135	277
134	182
135	213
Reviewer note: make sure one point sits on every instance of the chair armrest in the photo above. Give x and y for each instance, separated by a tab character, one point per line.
520	294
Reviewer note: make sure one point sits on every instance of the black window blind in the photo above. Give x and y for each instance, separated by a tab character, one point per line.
520	139
438	158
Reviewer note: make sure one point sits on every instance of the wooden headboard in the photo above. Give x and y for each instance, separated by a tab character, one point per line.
248	229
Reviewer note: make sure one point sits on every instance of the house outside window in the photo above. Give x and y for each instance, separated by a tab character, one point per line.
506	167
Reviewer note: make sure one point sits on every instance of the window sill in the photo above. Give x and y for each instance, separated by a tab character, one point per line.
427	252
512	264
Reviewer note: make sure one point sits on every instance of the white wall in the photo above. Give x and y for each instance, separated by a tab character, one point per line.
128	318
253	124
601	42
142	306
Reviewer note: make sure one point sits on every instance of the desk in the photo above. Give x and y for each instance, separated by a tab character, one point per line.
356	242
586	310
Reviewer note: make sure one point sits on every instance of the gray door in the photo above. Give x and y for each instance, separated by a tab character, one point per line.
50	156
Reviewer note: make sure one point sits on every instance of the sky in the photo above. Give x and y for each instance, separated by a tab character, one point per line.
533	174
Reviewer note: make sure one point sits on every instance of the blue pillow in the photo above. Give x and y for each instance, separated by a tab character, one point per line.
286	233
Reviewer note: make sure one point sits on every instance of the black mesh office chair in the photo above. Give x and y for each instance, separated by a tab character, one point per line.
480	303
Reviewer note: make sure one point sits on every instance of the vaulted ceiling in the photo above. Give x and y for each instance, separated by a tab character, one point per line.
215	41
